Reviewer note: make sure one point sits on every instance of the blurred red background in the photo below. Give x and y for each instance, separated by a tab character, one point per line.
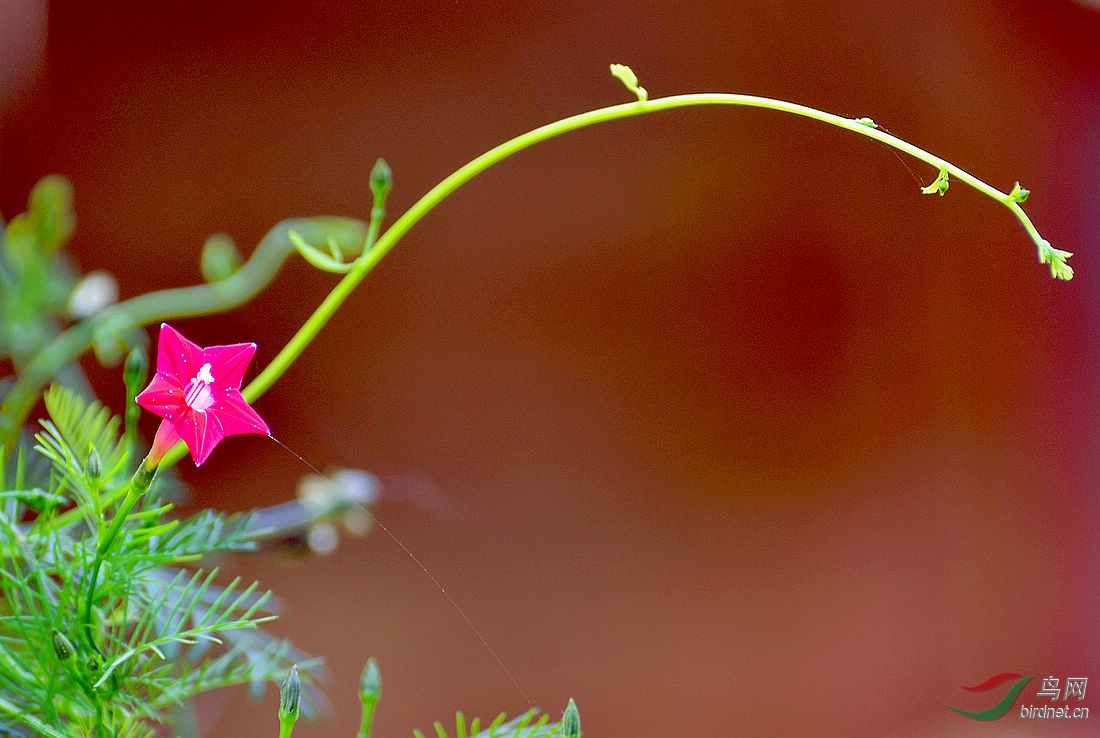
738	433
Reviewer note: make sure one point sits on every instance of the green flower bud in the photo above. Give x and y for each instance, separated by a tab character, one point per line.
370	684
93	467
220	258
571	721
370	689
62	646
135	371
290	695
381	178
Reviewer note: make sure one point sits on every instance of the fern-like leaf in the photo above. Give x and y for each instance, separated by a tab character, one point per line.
84	423
251	657
181	613
205	533
520	726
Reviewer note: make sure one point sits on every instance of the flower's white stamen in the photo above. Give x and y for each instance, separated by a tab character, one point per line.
199	396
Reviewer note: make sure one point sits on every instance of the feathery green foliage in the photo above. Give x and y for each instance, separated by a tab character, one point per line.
530	724
160	633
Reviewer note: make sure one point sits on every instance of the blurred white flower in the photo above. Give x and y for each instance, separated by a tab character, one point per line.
343	498
96	291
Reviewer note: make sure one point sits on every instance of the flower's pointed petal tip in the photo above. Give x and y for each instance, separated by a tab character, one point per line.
161	397
175	353
169	334
237	418
199	433
231	361
200	451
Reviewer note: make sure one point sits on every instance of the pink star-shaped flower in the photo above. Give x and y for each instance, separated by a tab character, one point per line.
198	393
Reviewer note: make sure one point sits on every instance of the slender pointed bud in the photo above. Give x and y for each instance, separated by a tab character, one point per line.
290	695
220	258
381	178
381	181
93	467
370	684
135	371
571	721
370	689
62	646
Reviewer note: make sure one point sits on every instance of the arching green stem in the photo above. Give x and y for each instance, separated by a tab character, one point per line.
363	266
242	285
